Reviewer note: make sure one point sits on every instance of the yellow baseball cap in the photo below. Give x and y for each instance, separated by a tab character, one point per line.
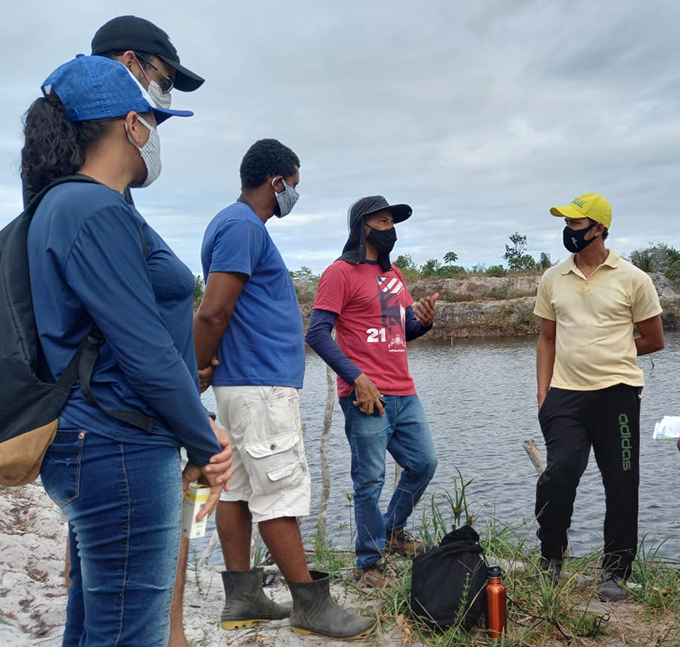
588	205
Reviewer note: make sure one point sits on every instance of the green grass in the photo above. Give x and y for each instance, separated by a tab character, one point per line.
327	558
658	583
202	587
203	641
539	613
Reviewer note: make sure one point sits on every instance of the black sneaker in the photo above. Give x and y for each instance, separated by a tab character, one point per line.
612	587
552	568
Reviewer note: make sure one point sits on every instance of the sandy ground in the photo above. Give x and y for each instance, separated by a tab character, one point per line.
33	595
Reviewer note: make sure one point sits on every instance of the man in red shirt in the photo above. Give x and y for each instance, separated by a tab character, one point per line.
365	298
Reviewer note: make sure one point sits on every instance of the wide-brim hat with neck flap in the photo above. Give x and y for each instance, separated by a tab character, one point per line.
374	203
355	248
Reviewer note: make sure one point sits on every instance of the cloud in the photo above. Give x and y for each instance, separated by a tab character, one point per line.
481	115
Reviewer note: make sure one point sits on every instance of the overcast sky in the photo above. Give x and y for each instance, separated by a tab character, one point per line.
481	115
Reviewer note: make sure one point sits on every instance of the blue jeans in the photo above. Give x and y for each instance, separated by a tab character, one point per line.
123	504
405	433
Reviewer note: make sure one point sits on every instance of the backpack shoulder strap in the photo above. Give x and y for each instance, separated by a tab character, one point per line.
75	177
88	352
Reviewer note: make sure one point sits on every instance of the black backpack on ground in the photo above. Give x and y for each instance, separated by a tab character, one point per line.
29	406
449	582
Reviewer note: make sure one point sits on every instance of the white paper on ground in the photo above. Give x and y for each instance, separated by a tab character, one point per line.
667	429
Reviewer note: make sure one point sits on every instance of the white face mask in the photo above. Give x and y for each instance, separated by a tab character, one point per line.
160	99
153	94
150	153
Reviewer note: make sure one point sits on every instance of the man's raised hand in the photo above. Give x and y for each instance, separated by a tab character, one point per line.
424	309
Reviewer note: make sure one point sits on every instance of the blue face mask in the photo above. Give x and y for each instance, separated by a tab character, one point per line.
286	199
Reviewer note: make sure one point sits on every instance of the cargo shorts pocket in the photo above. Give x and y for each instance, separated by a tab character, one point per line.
275	463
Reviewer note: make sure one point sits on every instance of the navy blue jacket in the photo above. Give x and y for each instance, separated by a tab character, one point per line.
87	265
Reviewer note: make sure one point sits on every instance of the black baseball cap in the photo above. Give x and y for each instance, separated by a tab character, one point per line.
373	203
130	32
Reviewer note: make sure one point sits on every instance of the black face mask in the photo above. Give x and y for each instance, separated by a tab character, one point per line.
575	239
382	240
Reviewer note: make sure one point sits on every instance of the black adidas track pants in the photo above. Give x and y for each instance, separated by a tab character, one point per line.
572	422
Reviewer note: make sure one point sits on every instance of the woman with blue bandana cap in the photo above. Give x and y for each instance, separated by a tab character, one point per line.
98	269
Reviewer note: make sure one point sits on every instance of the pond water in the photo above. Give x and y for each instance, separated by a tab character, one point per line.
480	398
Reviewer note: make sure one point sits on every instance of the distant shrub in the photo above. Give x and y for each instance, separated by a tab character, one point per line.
304	274
544	262
449	271
405	262
306	293
410	275
199	288
643	259
502	291
673	272
655	258
430	267
496	271
524	262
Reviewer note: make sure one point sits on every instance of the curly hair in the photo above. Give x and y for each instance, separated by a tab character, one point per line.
265	158
53	146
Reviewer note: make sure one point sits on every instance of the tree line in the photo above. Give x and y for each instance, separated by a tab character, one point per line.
515	256
658	257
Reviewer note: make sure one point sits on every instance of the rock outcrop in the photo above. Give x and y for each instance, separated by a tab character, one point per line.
486	306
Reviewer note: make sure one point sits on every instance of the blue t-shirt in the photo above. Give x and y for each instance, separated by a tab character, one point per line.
263	344
87	265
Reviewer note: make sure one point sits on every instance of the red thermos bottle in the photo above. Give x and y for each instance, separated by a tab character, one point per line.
496	621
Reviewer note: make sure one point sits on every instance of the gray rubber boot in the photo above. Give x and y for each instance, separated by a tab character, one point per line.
314	612
246	602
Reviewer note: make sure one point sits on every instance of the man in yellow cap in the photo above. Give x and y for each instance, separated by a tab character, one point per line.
589	385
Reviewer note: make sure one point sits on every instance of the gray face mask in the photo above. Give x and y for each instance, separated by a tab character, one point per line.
150	152
286	199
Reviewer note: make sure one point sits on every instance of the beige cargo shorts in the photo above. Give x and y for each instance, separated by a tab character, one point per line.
270	467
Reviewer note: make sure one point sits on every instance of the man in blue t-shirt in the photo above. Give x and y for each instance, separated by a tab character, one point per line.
251	319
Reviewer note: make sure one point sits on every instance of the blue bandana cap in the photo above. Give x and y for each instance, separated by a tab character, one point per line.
96	87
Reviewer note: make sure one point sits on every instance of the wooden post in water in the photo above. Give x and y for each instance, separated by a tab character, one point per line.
534	455
331	396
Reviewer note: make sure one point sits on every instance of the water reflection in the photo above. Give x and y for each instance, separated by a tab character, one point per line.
480	397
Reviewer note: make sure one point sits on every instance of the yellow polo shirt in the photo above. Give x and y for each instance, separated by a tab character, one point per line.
594	345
